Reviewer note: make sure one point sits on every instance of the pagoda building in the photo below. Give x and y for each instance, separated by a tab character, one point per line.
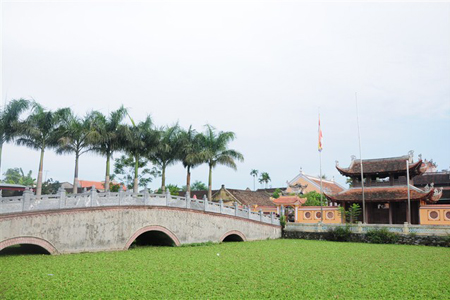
386	189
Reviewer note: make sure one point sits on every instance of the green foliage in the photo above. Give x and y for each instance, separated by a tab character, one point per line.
16	176
277	193
339	234
173	188
50	187
313	199
199	186
381	236
264	178
352	214
328	270
124	168
283	221
114	187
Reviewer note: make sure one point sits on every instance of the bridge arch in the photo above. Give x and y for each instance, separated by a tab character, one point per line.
157	228
233	235
30	241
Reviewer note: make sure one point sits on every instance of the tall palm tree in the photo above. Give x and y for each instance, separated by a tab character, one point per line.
254	173
217	152
39	131
107	137
75	135
166	152
191	152
9	119
264	178
139	140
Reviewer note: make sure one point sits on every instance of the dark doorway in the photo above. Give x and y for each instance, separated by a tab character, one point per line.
23	249
233	238
153	238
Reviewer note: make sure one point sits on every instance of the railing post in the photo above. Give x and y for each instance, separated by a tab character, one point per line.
146	197
188	200
62	197
272	218
359	228
26	199
221	206
93	195
168	196
405	228
260	215
121	195
205	202
249	211
235	208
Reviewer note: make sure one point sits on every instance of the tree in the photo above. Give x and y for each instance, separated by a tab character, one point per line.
172	188
139	140
276	194
38	131
9	120
351	215
166	153
50	187
217	153
199	186
313	199
264	178
75	135
254	173
107	138
16	176
125	171
191	152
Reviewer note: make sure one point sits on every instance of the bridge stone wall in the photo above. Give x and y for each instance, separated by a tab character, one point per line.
115	228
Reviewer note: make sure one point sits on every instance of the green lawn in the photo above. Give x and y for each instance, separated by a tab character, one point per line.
265	269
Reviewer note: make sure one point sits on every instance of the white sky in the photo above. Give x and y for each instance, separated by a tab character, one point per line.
260	69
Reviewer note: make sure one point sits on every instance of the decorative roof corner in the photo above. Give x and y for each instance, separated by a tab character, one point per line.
337	163
353	158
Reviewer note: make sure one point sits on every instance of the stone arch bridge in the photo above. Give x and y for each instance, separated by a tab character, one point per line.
91	221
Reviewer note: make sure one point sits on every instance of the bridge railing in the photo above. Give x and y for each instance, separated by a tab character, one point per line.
30	202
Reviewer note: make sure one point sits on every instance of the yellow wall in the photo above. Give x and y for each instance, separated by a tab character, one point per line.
435	214
330	214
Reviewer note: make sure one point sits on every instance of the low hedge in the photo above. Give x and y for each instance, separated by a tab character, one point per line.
374	236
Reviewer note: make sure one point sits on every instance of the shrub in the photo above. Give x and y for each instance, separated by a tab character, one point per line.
381	236
283	221
339	234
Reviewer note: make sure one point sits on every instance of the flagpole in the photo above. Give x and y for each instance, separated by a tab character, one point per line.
360	160
320	172
321	188
408	216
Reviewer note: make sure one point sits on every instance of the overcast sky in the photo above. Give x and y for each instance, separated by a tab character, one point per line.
259	69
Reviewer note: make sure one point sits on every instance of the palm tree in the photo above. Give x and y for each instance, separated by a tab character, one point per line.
75	135
107	136
264	178
138	141
217	152
9	118
191	152
166	152
39	131
254	173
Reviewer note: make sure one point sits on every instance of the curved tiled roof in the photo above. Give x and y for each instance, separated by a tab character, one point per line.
289	200
383	166
385	194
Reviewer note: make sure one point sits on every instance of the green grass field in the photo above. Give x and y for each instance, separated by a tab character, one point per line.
265	269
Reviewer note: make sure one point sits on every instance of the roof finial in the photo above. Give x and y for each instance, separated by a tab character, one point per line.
353	157
420	156
411	155
337	163
301	170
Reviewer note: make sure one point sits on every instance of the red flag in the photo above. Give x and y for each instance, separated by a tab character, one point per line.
320	136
